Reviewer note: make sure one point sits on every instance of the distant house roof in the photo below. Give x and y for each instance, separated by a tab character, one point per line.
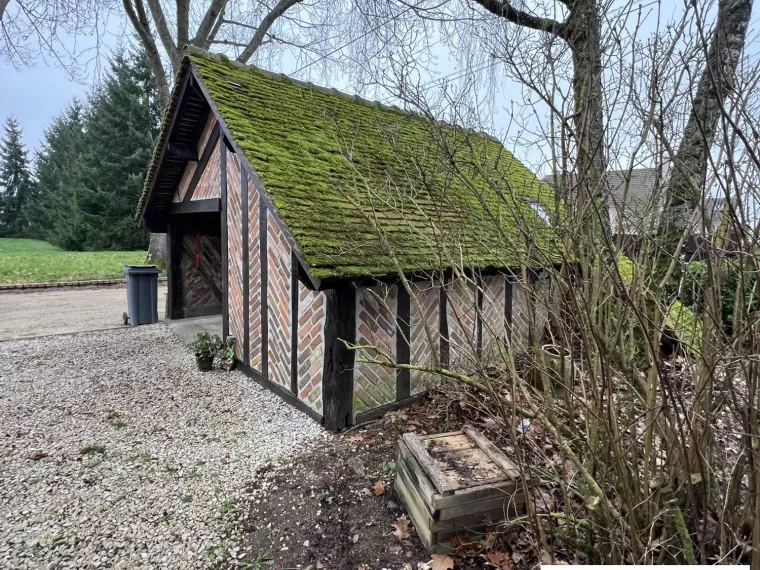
352	179
635	206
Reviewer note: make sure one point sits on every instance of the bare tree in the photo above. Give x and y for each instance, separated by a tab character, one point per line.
222	24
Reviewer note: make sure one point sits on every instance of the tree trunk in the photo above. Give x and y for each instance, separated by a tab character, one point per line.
687	177
588	189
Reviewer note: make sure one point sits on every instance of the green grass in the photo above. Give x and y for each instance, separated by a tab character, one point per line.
34	261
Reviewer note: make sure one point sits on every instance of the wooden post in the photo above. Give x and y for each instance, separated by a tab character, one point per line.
246	274
174	271
225	252
338	376
294	324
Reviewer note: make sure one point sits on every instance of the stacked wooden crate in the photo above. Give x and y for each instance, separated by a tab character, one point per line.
456	483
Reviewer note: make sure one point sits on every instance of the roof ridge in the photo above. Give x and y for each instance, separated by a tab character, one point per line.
331	91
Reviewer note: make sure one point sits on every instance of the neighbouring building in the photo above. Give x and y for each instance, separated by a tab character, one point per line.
293	210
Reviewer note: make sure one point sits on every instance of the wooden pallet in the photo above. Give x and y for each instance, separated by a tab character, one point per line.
456	483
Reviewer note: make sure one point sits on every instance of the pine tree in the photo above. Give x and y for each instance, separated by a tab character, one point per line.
16	185
121	126
52	212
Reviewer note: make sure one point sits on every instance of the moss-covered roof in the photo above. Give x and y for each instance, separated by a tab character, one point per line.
354	180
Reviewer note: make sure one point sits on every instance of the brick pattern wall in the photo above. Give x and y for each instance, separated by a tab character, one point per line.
234	252
424	311
375	325
494	322
462	316
520	316
311	346
278	297
254	279
210	182
201	277
190	169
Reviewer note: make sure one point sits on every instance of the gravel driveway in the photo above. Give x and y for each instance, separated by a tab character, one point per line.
117	453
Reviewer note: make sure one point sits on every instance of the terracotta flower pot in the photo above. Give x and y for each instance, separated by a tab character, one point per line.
205	363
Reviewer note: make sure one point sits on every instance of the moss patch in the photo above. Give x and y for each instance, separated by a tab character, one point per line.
353	180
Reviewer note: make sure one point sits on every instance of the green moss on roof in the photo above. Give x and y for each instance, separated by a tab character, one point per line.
342	171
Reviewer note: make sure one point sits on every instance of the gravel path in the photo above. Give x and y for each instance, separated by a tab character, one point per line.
117	453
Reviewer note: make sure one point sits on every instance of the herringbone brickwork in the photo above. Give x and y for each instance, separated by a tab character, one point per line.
311	345
424	312
520	316
462	316
234	253
201	271
254	278
494	321
376	326
210	182
278	298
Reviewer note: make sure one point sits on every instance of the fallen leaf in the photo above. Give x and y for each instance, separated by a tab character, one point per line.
378	488
320	566
499	560
402	528
355	538
463	545
441	562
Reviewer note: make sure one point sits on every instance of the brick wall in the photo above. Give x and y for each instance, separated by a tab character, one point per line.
493	317
461	314
254	279
201	271
375	325
279	306
311	345
210	182
424	312
234	252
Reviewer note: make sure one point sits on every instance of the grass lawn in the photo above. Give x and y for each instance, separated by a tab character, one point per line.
34	261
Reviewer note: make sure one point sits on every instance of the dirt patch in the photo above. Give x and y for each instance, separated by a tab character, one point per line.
335	507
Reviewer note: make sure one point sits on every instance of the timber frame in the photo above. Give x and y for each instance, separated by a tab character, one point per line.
191	108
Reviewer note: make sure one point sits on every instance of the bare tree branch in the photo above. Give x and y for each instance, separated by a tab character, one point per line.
504	9
266	23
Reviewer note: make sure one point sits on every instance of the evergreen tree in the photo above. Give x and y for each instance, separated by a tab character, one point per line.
16	183
121	126
92	165
52	212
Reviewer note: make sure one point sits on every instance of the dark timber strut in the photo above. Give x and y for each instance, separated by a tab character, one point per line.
246	261
213	139
225	252
403	336
174	271
264	287
337	378
207	205
294	324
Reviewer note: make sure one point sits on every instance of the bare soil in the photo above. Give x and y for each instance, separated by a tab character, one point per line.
335	507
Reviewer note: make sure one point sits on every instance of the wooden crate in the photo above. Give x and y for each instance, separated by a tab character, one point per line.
456	483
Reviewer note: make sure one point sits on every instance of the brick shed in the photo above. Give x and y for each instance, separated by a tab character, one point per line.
293	210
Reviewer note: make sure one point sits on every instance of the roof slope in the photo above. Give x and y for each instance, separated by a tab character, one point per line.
354	180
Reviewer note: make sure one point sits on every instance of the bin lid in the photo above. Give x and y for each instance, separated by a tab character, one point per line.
141	269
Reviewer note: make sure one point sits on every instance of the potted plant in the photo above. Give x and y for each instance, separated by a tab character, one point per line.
205	347
227	359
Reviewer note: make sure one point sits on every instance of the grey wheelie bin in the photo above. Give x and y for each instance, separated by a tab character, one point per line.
142	294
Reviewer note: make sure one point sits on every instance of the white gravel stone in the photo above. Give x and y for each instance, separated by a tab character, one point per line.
171	450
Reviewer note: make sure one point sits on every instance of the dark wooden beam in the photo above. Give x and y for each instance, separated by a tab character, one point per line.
246	265
263	256
208	150
225	251
209	205
182	151
337	377
403	336
443	323
294	265
174	299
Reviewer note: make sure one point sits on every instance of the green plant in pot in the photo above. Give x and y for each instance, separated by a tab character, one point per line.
227	359
205	346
